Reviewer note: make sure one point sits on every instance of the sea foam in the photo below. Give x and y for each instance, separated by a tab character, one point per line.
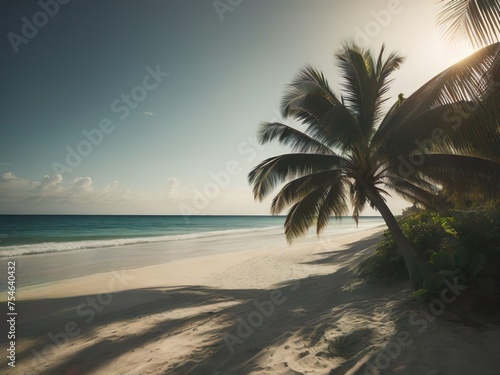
50	247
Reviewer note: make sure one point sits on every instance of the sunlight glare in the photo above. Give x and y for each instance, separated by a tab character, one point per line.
451	54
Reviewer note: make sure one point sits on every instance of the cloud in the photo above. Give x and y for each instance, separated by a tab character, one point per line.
8	176
53	194
81	184
172	185
147	113
5	165
49	190
49	182
110	188
13	188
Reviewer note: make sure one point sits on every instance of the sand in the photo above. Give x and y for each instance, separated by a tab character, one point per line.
278	310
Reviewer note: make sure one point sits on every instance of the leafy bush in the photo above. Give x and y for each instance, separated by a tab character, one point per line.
385	262
478	254
464	244
425	232
478	230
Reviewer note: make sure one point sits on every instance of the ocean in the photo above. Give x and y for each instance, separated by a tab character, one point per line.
35	234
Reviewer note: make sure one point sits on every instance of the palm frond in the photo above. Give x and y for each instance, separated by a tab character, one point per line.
303	214
384	70
467	83
462	174
315	206
297	189
477	21
358	200
310	101
365	82
335	204
457	128
413	192
269	173
288	136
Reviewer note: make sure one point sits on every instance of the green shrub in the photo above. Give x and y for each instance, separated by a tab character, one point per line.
471	253
465	244
385	262
478	230
425	232
478	253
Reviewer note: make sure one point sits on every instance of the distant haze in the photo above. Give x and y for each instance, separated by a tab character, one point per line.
151	107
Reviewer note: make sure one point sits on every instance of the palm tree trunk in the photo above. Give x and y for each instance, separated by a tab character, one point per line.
405	248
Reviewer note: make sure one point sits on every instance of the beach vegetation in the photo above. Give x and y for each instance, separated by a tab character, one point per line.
477	21
356	150
350	344
462	245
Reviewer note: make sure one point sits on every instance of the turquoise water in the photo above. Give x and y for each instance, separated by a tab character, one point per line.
28	234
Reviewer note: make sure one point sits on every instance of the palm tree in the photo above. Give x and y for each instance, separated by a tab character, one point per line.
475	20
349	150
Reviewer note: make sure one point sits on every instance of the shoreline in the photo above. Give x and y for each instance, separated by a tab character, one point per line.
276	310
41	238
36	269
106	306
82	245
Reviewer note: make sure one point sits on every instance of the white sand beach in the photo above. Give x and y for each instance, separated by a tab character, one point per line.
275	310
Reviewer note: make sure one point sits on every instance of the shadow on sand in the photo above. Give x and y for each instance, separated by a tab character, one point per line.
309	307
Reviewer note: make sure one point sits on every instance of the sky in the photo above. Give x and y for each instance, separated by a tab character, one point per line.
152	107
